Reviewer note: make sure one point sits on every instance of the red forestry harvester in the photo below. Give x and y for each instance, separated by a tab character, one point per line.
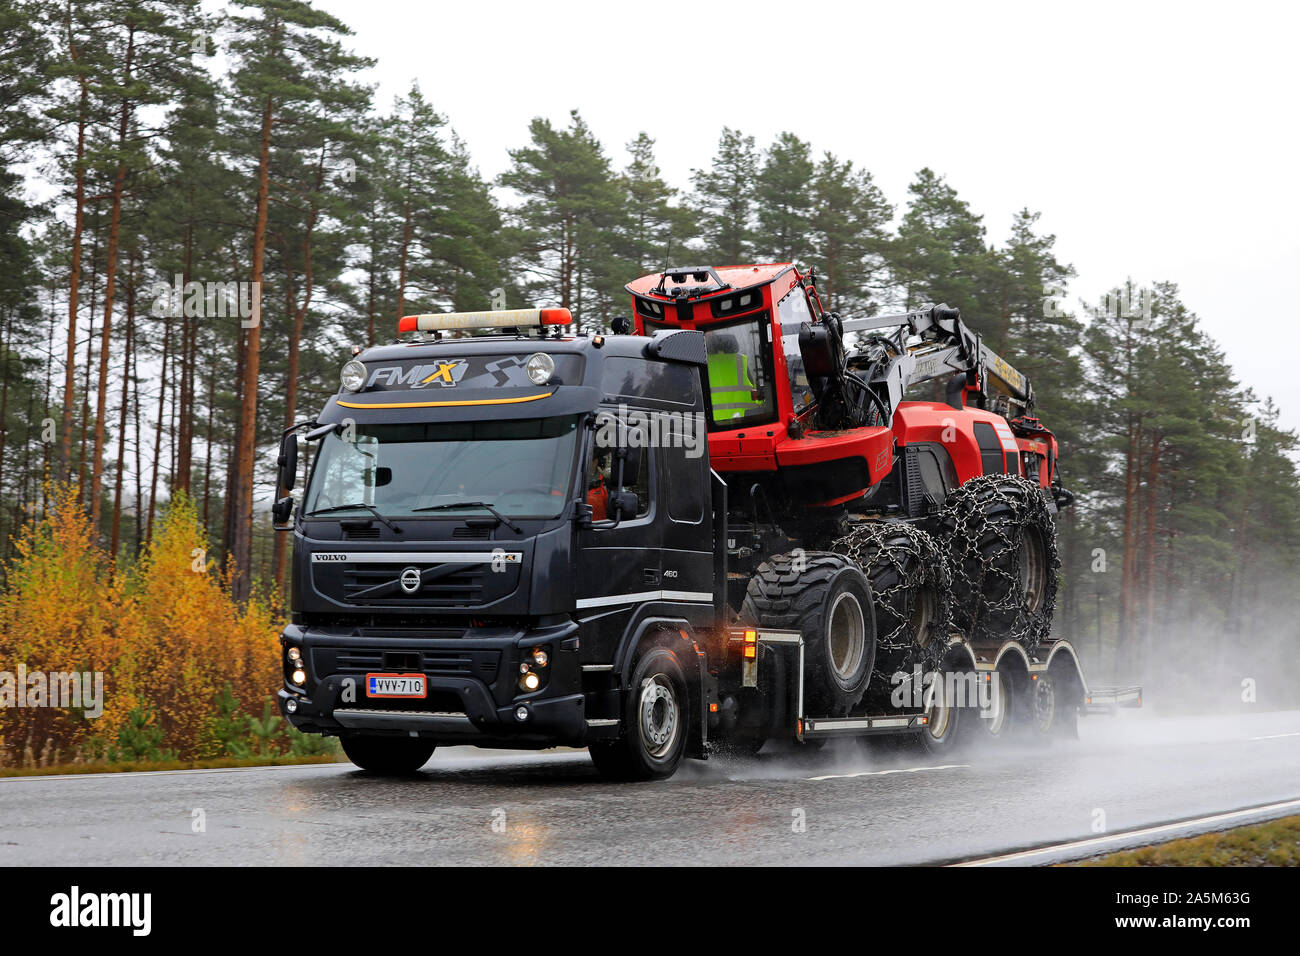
946	507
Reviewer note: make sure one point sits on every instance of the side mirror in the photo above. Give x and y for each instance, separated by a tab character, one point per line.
287	463
620	325
630	456
625	504
383	476
281	511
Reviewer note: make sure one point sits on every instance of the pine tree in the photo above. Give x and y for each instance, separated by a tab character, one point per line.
785	201
570	211
724	200
850	238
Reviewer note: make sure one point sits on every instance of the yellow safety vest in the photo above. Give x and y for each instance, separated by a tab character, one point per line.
730	390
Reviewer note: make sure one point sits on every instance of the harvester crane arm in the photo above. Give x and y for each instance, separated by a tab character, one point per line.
932	343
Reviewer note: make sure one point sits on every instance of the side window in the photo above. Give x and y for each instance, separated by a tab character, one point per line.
685	478
636	378
793	311
602	471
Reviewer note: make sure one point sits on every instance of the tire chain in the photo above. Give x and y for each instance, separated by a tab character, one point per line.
916	560
965	526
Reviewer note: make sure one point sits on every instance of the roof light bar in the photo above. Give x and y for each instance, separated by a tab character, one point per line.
500	319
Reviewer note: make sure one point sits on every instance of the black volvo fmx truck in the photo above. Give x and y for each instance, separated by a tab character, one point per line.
511	536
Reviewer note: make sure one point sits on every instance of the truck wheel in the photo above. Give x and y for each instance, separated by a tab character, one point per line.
911	594
655	722
1000	543
388	756
827	598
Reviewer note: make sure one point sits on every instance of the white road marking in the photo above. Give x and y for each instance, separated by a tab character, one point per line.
883	773
1126	838
168	773
1276	736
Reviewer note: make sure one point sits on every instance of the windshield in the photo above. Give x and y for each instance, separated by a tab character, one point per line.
520	468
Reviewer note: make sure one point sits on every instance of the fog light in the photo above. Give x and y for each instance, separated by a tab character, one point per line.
291	706
353	376
540	657
521	713
295	654
539	367
299	676
530	681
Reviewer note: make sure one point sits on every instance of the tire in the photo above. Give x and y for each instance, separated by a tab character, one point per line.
827	598
655	722
1002	719
999	541
388	756
911	592
947	725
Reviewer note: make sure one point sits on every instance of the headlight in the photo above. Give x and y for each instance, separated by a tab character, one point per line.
298	677
295	654
540	367
540	657
353	376
530	681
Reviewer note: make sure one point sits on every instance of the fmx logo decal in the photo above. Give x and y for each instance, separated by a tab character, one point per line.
443	374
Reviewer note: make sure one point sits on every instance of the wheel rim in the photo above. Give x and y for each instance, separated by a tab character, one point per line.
1033	568
1044	704
999	705
659	722
938	715
847	635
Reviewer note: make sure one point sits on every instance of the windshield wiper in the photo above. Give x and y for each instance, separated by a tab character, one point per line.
474	504
371	508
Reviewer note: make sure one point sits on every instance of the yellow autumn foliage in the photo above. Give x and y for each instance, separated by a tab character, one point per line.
165	633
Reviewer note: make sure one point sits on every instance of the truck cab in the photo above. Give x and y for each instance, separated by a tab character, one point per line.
490	525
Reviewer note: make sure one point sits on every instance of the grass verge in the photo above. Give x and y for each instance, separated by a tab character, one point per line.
1275	843
135	766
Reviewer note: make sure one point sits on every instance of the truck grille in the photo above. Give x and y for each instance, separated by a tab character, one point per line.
481	664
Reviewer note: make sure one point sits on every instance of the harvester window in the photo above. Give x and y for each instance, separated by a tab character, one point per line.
740	390
793	312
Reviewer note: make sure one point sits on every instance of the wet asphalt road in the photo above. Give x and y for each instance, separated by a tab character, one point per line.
858	806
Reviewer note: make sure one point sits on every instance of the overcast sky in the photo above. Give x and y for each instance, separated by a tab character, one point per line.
1158	140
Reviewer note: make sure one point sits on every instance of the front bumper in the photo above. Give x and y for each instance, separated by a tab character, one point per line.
467	702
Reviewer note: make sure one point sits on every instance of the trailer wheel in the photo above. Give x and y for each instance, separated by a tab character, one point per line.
827	598
388	756
655	722
911	593
999	540
1000	717
945	724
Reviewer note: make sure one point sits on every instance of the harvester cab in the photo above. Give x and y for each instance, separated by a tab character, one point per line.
782	411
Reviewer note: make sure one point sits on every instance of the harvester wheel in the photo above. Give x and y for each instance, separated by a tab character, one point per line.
911	591
828	599
1000	543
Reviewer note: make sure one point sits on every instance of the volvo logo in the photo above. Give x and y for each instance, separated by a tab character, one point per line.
410	580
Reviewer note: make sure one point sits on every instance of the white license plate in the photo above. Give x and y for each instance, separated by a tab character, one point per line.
395	685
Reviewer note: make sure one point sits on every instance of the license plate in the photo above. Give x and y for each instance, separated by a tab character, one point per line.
395	685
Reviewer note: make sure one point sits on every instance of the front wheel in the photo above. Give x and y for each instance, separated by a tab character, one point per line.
655	722
388	756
